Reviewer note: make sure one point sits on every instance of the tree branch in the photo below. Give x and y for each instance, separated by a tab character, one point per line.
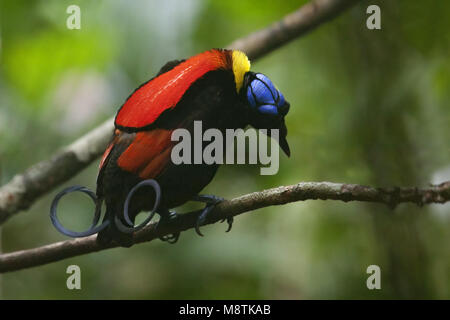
276	196
293	25
25	188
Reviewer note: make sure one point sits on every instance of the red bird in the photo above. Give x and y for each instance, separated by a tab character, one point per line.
136	171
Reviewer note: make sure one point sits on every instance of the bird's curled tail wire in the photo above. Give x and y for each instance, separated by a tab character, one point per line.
95	227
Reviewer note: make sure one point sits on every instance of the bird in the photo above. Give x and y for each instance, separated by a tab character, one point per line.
136	172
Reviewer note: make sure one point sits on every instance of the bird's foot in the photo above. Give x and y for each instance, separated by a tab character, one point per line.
229	221
166	217
211	201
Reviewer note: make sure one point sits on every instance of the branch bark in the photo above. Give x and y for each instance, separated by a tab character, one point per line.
25	188
277	196
293	25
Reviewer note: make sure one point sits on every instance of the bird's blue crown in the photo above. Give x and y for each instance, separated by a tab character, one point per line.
263	96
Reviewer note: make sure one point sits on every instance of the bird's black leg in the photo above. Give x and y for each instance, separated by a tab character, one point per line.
166	217
211	201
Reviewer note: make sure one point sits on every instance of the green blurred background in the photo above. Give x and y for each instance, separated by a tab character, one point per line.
369	107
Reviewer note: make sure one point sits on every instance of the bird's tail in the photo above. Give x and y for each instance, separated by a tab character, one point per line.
121	224
117	224
94	228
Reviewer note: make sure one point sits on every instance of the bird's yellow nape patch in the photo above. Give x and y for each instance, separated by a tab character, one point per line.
241	65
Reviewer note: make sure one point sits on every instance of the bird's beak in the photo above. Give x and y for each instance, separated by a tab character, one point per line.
285	146
265	122
283	140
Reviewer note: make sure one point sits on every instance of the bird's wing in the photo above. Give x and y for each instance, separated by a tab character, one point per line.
164	92
145	154
148	153
167	67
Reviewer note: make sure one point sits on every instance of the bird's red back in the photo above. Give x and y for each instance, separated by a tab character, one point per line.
147	103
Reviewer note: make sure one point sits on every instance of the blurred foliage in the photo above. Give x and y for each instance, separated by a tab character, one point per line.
367	106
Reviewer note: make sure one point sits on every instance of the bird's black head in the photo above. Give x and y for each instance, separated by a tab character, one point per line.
268	106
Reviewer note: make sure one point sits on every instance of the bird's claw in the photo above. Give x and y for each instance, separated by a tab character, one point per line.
202	217
170	238
166	217
211	201
229	221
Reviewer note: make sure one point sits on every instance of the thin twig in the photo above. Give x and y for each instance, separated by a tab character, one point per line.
276	196
25	188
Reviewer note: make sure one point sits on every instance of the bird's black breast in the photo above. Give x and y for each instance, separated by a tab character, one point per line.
213	100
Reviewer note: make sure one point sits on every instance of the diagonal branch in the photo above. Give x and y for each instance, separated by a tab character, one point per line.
294	25
25	188
276	196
